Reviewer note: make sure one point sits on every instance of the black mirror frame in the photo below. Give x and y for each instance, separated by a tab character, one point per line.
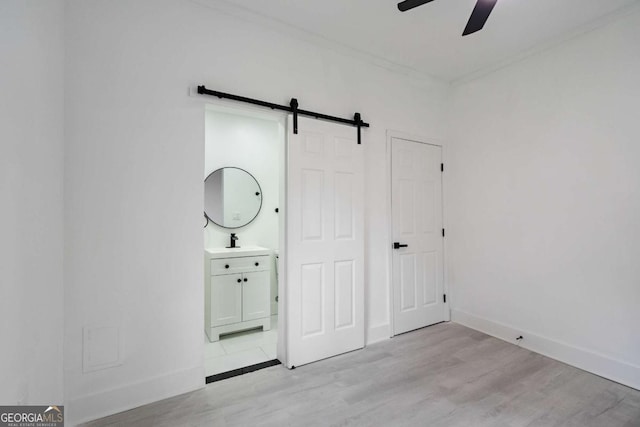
210	220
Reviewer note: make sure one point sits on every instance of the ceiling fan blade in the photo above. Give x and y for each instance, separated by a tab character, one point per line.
410	4
479	16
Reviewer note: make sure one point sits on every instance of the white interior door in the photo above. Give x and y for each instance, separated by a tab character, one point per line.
416	185
325	241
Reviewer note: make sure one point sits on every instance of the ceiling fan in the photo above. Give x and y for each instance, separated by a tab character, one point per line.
479	16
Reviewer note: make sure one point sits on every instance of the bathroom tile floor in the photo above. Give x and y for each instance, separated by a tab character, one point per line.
241	349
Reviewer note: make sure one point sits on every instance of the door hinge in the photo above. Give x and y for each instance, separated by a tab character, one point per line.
441	167
443	232
444	298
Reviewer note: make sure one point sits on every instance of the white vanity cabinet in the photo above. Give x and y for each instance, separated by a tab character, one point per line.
237	290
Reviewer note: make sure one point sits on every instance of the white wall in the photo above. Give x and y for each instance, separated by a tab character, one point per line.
544	226
134	191
31	161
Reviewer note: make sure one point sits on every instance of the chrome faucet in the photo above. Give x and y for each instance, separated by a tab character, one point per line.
232	241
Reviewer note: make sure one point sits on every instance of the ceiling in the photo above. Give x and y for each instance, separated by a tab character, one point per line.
428	39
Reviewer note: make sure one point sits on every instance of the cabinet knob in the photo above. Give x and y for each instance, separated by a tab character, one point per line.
245	279
226	266
257	264
239	280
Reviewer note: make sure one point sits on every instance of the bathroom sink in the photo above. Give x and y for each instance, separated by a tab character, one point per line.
238	252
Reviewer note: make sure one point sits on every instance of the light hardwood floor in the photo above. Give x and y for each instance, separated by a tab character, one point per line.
444	375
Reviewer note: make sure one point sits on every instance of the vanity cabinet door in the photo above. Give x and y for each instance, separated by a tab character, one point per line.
256	291
226	299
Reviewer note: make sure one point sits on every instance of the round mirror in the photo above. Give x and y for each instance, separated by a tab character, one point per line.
232	197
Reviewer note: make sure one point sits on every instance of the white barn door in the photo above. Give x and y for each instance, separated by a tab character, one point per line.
416	193
325	241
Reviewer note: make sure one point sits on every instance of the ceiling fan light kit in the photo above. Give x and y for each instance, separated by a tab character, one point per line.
479	16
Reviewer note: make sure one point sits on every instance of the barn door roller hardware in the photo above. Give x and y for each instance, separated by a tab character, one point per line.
291	108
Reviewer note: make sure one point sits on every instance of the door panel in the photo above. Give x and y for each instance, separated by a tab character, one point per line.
256	291
226	299
345	289
313	299
408	291
430	280
325	241
312	200
344	218
416	182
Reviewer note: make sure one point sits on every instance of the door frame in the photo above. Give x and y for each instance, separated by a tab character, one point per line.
231	107
391	134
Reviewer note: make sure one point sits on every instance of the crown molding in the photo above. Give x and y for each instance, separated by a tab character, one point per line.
415	76
298	33
543	47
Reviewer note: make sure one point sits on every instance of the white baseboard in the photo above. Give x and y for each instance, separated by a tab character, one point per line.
378	333
605	366
91	407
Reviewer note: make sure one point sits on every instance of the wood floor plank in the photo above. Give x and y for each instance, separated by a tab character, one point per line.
444	375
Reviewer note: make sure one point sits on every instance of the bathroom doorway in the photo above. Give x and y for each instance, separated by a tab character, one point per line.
243	238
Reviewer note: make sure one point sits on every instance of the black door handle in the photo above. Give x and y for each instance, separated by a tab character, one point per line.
397	245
